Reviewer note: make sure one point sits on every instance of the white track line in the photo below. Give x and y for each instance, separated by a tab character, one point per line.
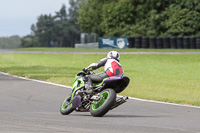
35	80
132	98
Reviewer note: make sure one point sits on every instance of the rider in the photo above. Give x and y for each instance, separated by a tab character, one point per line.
112	67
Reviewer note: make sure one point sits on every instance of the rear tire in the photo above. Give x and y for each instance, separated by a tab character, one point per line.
100	109
66	107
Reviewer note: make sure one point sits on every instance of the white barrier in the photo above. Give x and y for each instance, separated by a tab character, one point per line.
88	45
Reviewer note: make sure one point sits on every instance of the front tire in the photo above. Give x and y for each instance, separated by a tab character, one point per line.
66	107
108	100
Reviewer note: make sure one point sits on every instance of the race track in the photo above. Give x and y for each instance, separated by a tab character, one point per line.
28	106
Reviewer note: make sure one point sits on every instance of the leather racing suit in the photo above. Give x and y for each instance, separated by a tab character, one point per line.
111	67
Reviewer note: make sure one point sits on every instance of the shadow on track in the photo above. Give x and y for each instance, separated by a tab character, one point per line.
119	116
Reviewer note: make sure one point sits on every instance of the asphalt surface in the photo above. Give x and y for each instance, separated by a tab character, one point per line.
28	106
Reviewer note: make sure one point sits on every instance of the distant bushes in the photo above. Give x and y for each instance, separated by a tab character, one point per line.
10	42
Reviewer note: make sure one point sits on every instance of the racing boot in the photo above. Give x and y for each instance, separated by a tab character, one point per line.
88	86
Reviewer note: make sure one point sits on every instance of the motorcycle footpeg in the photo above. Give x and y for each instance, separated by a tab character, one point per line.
98	88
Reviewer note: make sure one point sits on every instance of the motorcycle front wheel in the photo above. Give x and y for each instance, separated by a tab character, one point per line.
102	107
66	107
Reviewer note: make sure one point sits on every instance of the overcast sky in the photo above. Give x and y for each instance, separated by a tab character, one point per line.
17	16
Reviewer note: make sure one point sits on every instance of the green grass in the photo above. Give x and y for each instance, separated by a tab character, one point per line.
130	49
170	78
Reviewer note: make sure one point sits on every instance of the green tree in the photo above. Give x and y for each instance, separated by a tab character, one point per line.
116	16
73	27
60	25
90	16
140	17
184	17
43	30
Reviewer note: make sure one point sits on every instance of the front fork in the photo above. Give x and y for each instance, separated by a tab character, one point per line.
119	102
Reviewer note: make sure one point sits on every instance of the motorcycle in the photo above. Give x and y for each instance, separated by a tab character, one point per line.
100	101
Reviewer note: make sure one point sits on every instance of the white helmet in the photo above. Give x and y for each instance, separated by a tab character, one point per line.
114	55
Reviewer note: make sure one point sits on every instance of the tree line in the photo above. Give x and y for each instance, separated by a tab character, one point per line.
59	30
140	17
115	18
10	42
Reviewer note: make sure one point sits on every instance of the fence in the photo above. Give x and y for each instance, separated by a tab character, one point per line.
185	42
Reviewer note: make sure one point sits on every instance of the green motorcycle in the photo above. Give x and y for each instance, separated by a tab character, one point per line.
100	101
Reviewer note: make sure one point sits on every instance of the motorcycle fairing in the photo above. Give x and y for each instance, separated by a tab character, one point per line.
76	101
78	84
118	83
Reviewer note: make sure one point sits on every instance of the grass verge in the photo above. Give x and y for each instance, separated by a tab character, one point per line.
169	78
130	49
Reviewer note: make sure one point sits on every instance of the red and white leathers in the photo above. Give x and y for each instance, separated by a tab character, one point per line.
111	66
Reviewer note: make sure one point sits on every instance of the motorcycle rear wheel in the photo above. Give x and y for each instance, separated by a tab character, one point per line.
102	107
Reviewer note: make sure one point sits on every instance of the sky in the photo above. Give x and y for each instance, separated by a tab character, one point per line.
17	16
